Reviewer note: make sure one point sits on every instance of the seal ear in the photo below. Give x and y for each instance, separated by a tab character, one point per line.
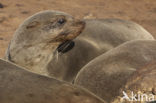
32	24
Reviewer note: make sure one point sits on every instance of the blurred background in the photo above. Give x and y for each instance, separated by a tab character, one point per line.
13	12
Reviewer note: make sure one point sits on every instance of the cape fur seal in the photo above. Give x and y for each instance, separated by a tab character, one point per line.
142	83
39	38
20	86
33	49
106	74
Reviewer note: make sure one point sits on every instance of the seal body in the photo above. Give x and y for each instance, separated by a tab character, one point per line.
106	74
34	45
21	86
143	83
98	37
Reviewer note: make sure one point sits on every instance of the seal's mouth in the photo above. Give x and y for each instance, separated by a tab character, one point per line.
65	46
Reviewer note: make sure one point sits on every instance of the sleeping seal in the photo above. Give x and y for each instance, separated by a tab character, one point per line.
21	86
43	43
106	74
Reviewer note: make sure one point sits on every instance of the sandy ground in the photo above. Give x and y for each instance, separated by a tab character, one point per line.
13	12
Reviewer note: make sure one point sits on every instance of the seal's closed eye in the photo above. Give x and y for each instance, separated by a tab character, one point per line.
65	46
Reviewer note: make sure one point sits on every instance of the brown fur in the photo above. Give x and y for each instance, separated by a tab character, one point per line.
98	37
21	86
106	74
143	81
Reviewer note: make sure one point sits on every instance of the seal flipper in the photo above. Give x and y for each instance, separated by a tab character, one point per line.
65	46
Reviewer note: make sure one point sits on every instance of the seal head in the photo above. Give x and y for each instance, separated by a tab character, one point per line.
39	37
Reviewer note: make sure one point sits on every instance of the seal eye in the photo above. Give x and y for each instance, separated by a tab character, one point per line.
61	21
